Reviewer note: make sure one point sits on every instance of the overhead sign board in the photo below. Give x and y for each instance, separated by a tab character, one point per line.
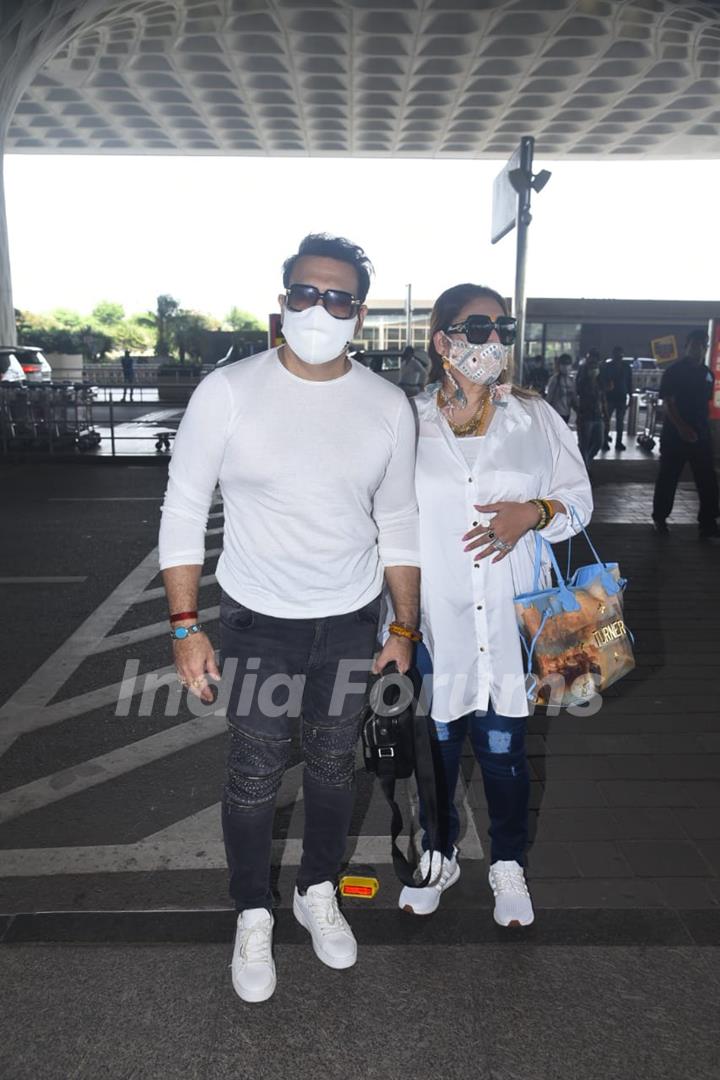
664	349
505	200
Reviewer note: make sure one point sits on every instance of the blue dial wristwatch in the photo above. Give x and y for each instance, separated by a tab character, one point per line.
181	632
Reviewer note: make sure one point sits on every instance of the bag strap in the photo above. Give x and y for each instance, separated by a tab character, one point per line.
427	790
568	601
574	519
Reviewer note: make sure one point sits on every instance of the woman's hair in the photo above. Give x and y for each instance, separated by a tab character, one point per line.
445	311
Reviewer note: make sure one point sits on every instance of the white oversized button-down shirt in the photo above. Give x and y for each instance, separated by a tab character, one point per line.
468	617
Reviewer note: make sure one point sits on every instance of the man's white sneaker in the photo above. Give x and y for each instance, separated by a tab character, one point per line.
253	967
319	913
513	906
445	873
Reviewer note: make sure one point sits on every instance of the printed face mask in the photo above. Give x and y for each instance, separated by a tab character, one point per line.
480	363
314	335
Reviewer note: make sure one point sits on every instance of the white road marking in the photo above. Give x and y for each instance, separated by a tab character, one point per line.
28	709
149	857
159	592
40	580
87	774
110	498
192	843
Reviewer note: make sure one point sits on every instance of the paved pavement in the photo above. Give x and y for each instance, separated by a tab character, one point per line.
112	879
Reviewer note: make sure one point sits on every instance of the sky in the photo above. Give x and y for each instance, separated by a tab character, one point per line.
213	232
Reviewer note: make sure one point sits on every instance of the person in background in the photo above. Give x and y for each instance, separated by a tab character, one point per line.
128	370
616	378
591	407
413	373
495	464
560	389
536	374
686	389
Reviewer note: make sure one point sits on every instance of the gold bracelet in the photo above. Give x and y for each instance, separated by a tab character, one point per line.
404	631
550	512
540	506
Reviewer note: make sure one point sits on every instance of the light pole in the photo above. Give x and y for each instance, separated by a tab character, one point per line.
408	316
524	181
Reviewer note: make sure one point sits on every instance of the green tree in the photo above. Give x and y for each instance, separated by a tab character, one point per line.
67	319
108	314
237	319
167	309
189	329
136	333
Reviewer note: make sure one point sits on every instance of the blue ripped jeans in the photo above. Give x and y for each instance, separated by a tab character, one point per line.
499	746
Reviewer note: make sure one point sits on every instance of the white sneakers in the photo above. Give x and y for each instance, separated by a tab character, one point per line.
513	906
445	873
332	938
253	967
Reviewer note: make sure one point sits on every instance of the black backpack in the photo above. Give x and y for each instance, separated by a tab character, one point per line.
395	730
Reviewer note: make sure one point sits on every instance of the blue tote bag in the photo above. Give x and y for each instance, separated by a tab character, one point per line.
574	636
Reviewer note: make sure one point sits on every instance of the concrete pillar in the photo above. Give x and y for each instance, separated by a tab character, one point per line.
7	315
31	33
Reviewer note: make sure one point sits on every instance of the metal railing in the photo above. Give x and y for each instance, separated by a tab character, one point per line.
81	418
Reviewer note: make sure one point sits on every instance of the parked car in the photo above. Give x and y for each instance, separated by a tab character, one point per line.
32	362
10	367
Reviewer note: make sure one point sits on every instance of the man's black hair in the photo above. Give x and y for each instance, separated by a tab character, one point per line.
333	247
698	334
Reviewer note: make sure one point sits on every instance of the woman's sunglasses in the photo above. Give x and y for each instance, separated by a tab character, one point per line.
339	304
478	328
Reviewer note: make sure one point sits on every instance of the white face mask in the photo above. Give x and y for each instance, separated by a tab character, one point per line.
480	363
314	335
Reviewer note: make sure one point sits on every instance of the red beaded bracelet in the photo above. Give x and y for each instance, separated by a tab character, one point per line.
183	615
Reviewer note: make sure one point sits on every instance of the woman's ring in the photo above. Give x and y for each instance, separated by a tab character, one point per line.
491	535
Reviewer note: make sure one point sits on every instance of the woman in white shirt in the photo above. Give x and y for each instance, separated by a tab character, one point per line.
486	450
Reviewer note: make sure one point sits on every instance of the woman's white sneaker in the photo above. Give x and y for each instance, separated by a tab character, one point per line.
319	913
445	873
253	967
513	906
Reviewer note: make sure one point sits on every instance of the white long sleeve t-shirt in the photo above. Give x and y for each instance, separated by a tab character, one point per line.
317	480
468	615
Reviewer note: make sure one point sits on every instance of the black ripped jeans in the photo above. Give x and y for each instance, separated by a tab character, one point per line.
289	671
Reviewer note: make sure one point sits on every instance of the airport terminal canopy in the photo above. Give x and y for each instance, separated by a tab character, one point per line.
617	79
418	78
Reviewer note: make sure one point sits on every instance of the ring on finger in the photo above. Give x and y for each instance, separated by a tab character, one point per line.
198	682
491	535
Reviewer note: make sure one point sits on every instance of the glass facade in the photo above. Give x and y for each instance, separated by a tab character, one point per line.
550	339
390	332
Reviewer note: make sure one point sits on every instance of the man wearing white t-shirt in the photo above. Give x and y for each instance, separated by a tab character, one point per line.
315	456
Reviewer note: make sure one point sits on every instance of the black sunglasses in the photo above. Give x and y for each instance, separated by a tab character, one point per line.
478	328
339	304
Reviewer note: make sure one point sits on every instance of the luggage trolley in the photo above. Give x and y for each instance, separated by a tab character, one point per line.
646	438
18	425
86	436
